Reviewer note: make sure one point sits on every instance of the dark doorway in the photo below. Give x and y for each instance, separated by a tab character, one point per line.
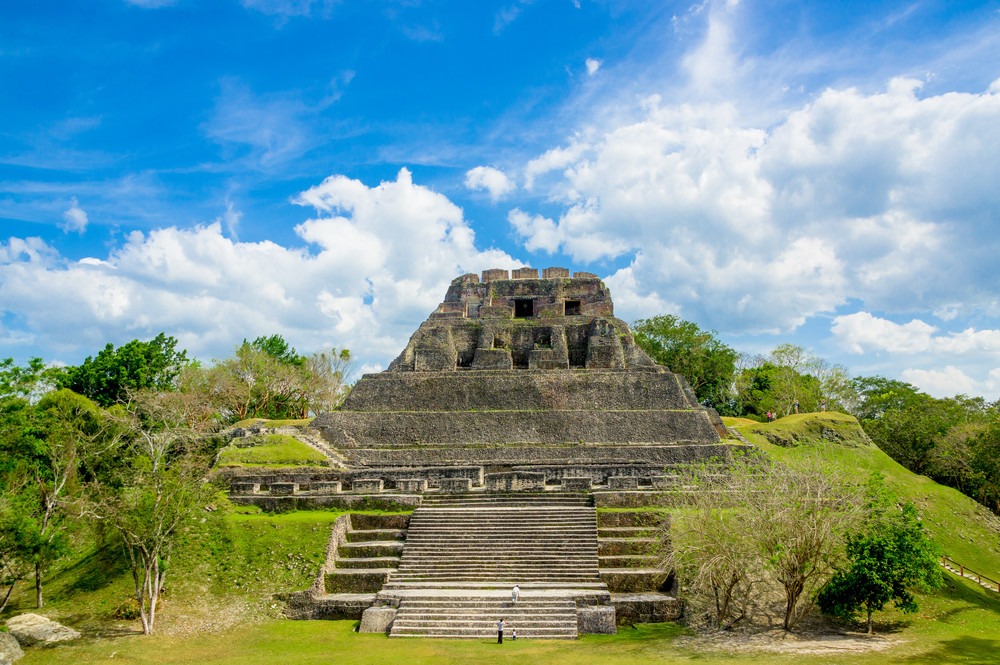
572	308
524	308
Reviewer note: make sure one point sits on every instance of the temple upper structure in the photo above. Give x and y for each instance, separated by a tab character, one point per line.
517	320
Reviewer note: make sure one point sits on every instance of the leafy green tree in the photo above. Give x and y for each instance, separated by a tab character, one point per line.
108	377
155	494
696	354
266	379
29	381
887	556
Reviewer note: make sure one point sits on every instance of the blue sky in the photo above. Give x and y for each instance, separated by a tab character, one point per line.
820	173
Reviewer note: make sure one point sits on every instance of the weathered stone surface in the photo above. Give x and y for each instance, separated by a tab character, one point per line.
635	581
10	650
377	620
648	518
415	485
367	485
455	484
282	489
355	581
623	483
596	619
518	481
518	390
327	487
646	608
31	629
576	484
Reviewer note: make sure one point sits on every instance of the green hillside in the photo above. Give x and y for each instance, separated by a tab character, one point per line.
966	531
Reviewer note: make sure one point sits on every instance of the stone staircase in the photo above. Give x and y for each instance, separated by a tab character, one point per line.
464	552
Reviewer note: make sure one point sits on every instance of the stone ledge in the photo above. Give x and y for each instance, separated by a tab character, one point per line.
632	608
596	620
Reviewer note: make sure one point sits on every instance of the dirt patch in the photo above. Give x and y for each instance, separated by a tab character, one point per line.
780	642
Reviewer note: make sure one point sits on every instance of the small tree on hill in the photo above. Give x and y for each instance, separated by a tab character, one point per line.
889	554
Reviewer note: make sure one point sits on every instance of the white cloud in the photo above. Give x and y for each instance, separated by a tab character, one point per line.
375	262
491	179
758	228
74	218
593	64
951	381
538	232
861	332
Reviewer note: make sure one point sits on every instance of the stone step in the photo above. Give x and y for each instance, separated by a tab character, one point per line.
368	562
626	532
369	535
493	585
629	561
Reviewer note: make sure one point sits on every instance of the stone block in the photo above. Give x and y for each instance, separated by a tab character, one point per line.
327	487
244	488
377	620
366	485
455	484
646	608
496	312
434	360
635	581
283	489
356	581
495	274
492	359
411	485
550	310
515	481
524	273
623	482
584	275
665	482
547	359
576	484
596	619
555	273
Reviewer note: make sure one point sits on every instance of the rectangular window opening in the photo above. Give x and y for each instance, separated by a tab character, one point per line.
524	309
572	308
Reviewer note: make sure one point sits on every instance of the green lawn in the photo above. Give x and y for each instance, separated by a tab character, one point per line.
276	450
960	624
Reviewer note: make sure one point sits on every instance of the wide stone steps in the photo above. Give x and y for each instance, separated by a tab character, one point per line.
482	499
464	617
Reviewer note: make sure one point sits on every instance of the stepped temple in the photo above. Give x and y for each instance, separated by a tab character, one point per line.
517	412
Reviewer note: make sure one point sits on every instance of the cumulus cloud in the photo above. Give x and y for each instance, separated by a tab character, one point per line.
861	332
74	218
593	64
374	262
853	196
491	179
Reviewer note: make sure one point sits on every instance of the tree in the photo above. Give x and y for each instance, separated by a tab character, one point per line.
698	355
154	495
29	381
757	531
889	554
109	377
267	379
69	430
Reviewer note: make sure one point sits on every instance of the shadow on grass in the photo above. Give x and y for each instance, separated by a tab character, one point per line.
971	650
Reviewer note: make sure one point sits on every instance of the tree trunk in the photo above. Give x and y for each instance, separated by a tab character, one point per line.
6	598
870	631
38	585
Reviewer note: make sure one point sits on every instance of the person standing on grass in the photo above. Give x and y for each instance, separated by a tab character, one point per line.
500	625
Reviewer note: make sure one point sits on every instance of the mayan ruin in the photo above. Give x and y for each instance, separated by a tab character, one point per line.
516	409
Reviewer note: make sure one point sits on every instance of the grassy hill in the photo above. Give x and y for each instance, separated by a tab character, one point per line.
219	607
